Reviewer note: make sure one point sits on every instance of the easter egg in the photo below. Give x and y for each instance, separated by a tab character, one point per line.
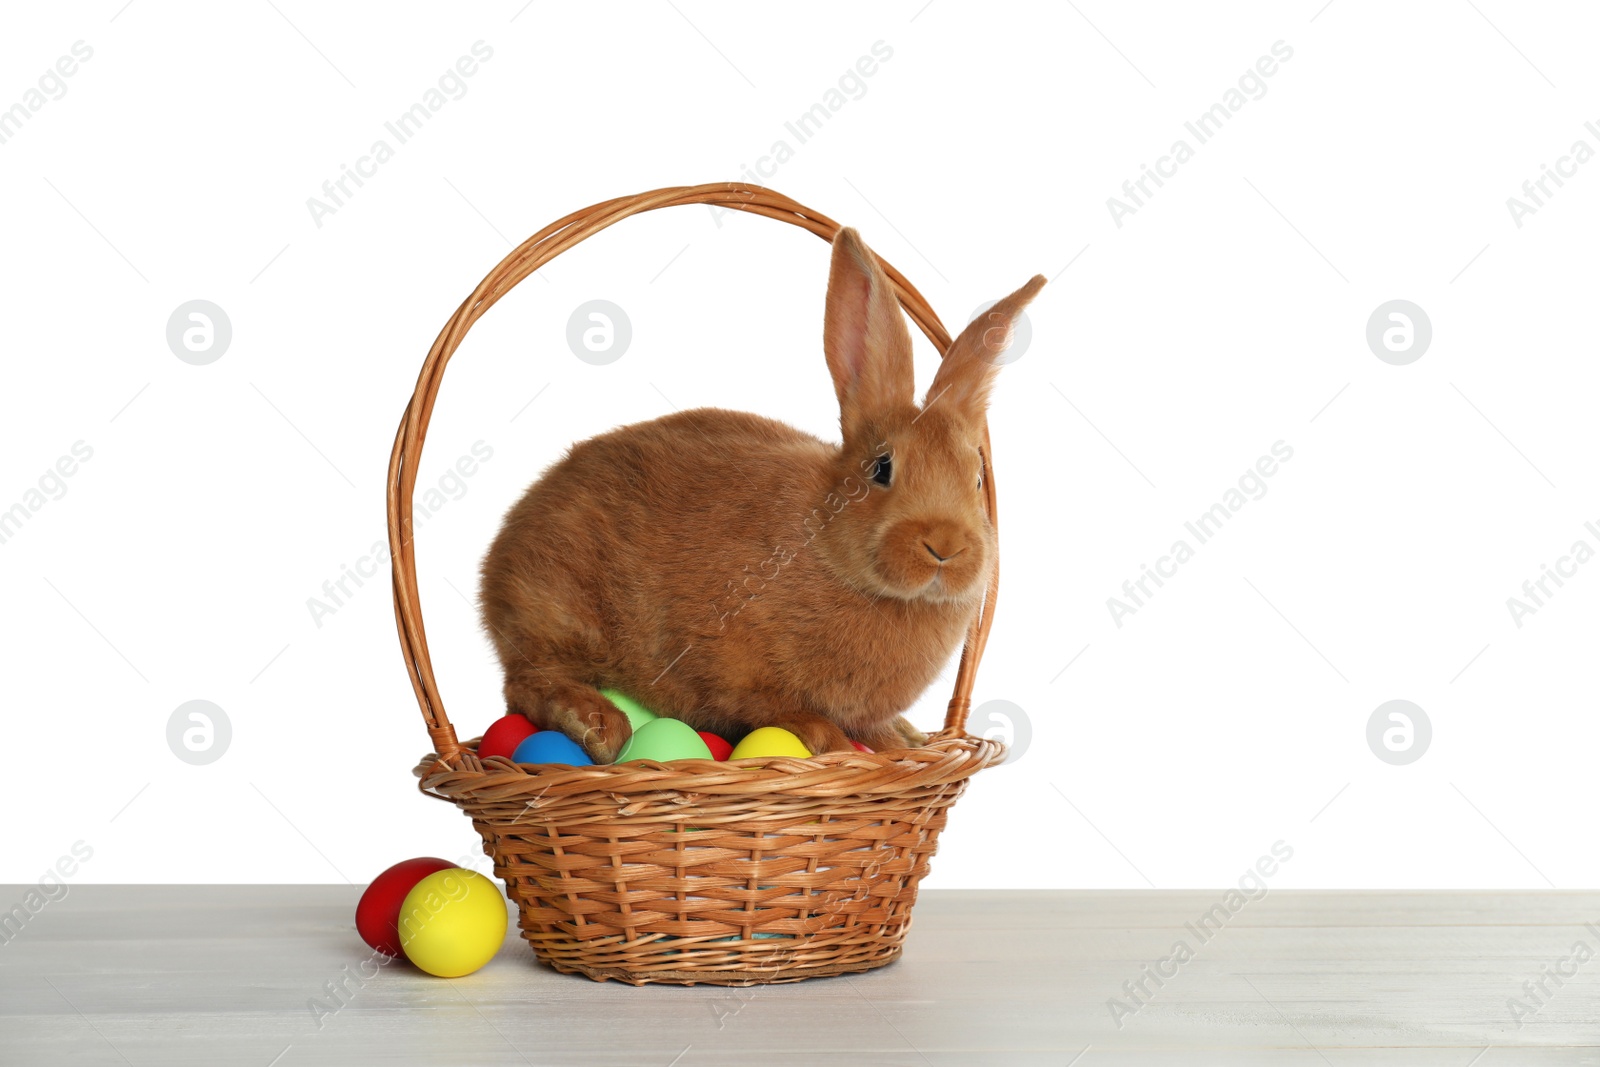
769	741
720	749
551	746
452	922
859	747
379	910
636	712
662	740
504	735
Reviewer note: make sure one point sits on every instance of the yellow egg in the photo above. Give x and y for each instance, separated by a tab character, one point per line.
769	741
452	922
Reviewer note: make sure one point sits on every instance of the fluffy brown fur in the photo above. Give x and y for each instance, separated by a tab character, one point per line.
734	572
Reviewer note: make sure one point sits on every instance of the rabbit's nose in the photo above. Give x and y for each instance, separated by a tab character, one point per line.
940	556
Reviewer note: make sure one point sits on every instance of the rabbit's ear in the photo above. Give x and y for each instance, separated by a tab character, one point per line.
969	368
864	336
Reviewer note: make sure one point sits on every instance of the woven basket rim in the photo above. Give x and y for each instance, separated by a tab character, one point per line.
945	758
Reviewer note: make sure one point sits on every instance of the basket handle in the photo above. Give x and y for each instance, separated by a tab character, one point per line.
528	257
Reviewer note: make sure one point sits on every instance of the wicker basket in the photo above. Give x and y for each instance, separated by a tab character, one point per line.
736	873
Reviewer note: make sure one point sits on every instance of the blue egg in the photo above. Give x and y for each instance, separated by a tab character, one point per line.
551	746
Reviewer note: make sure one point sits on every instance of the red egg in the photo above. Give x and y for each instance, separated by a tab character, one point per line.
860	747
378	914
720	749
502	738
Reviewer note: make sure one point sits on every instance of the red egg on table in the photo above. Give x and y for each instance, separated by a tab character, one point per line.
720	749
378	913
502	738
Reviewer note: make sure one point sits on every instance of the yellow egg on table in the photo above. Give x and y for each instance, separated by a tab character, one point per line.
452	922
769	741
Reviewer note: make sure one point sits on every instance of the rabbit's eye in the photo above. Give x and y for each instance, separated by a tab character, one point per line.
883	470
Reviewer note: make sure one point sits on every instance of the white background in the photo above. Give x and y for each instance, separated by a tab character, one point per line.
1168	354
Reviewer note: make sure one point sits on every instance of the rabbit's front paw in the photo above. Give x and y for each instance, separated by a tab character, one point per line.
817	733
913	737
575	709
895	733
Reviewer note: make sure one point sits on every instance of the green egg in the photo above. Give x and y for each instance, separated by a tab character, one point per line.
663	740
636	712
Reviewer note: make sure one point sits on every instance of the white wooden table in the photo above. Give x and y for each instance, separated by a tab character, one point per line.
172	975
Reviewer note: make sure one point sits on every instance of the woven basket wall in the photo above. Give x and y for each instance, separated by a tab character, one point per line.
734	873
